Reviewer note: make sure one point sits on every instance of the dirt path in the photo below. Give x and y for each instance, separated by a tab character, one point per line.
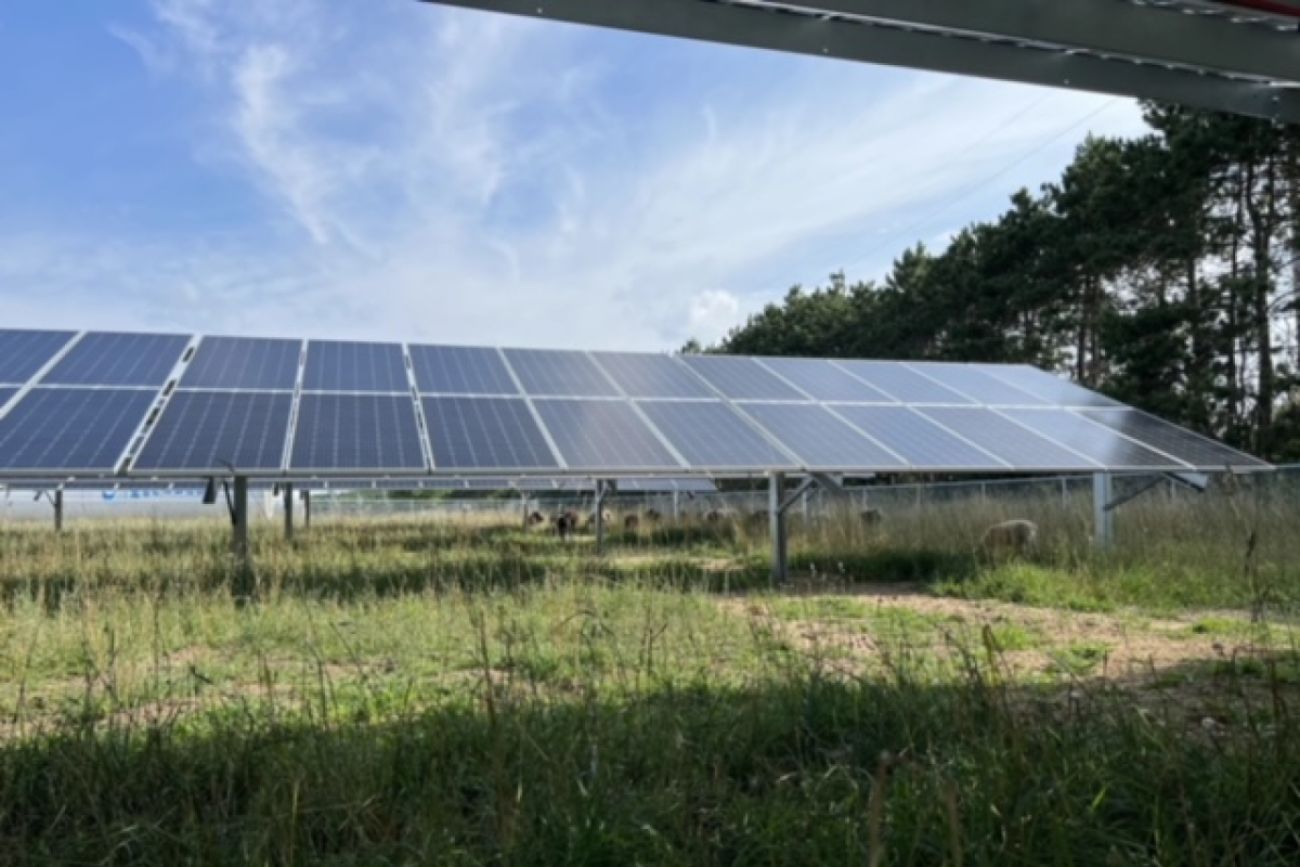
859	622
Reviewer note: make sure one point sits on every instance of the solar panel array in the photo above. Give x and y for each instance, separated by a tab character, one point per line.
175	406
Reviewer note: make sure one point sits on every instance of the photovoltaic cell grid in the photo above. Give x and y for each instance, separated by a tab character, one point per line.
820	439
902	383
555	373
711	434
825	381
106	358
977	384
1017	445
649	376
1093	440
484	433
742	378
5	395
602	435
23	353
202	430
244	363
916	439
336	365
357	432
71	428
1170	438
1051	388
460	370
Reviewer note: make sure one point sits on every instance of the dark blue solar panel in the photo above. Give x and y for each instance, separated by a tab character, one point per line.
975	383
741	378
460	370
559	373
1022	448
1172	440
348	366
602	435
71	428
641	374
1092	440
204	430
357	432
245	363
22	353
710	435
5	394
902	383
820	439
1054	389
824	380
484	433
105	358
917	439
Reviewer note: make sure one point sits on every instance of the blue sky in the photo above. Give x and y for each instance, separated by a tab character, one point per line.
392	169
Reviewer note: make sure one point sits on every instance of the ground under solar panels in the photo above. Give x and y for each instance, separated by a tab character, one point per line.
73	403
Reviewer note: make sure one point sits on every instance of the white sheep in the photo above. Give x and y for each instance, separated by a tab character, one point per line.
1013	537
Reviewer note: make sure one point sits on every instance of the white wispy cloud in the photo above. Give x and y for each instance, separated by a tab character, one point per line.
432	174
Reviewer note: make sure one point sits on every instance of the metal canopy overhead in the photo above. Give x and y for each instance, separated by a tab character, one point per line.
1241	57
128	407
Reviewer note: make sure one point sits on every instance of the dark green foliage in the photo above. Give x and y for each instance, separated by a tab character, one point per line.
1162	270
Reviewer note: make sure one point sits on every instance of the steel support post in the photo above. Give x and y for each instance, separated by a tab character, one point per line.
599	517
306	510
1102	516
288	512
776	517
58	511
677	506
239	540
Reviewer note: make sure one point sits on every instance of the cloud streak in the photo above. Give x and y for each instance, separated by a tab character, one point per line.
440	175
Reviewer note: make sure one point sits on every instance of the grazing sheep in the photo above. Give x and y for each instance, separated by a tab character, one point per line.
566	524
535	518
712	516
631	523
871	517
1011	537
756	520
606	518
652	515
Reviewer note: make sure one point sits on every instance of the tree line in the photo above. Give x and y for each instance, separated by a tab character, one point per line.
1161	270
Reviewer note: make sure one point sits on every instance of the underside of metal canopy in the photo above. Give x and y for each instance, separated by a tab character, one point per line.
1241	57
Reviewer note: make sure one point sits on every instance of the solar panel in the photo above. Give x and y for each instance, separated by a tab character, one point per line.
741	378
825	381
645	375
975	383
711	434
22	353
460	370
1053	389
917	439
820	439
654	485
602	435
902	383
1172	440
1091	440
246	363
206	430
356	432
1021	448
335	365
559	373
484	433
71	428
5	395
107	358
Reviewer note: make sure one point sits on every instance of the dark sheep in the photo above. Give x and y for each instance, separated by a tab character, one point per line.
566	524
535	518
871	517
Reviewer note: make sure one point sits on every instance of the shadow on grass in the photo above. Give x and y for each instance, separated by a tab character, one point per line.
801	770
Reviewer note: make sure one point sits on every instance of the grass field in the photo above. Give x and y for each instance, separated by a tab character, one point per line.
468	692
